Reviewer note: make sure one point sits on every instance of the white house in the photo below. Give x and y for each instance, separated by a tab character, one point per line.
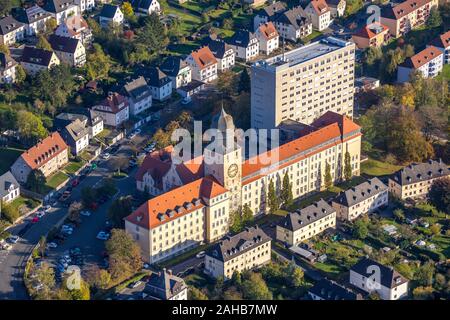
146	6
178	70
110	14
245	44
7	68
443	43
34	18
160	84
337	7
165	286
268	38
139	95
85	5
429	62
223	53
75	27
319	13
114	109
34	60
11	30
68	50
371	276
61	9
9	188
203	65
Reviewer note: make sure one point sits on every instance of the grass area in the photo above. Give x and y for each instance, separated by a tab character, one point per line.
23	205
8	156
182	257
73	167
55	180
198	280
445	74
374	167
312	36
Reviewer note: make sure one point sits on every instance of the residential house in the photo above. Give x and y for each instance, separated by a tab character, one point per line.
85	5
177	70
223	53
114	109
75	27
443	44
7	68
203	65
415	180
11	30
165	286
407	15
89	118
337	7
61	9
293	24
139	95
327	289
245	44
366	84
255	3
246	250
35	60
73	130
371	276
34	18
68	50
160	84
305	223
146	6
372	35
9	188
319	13
268	13
48	155
429	62
268	38
110	14
363	198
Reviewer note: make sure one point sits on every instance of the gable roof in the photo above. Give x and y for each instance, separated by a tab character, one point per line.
303	217
295	17
371	30
6	181
422	58
64	44
417	172
443	41
164	285
109	11
137	89
44	151
142	4
76	24
32	14
331	290
203	57
233	246
272	9
56	6
320	7
115	103
9	24
241	38
157	78
175	203
402	9
218	48
172	66
388	276
37	56
360	192
6	61
334	3
77	130
268	30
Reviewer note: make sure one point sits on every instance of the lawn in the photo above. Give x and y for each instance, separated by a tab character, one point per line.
73	167
373	167
312	36
8	156
182	257
23	205
445	74
55	180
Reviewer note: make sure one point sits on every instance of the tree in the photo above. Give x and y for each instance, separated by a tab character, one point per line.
88	196
4	49
118	163
247	214
5	7
328	179
295	275
399	215
286	191
423	293
98	278
74	211
434	20
42	245
244	82
162	138
360	229
255	288
20	74
36	181
152	39
348	173
435	229
9	212
196	294
43	43
439	194
50	25
98	63
46	277
119	209
236	222
226	83
272	198
127	9
424	274
9	95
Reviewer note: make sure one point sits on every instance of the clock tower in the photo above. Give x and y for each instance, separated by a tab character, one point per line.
223	159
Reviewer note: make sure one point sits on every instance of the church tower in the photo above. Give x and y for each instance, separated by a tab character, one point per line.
223	160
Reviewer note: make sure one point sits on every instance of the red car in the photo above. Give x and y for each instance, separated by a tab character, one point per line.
35	219
75	182
93	206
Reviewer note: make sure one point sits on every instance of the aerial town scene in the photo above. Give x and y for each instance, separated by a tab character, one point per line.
224	150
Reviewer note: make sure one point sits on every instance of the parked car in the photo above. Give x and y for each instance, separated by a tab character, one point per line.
40	214
135	284
12	239
46	208
35	219
65	196
200	255
75	182
52	245
85	213
106	156
102	235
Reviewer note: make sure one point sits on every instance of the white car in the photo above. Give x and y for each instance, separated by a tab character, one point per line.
106	156
46	208
40	214
201	254
6	246
51	245
85	213
102	235
13	239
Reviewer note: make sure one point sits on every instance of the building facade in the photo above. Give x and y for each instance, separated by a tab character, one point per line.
319	13
203	65
35	60
429	62
268	38
139	95
443	44
75	27
224	54
246	250
177	70
68	50
327	289
34	18
61	9
7	68
372	35
11	30
165	286
110	14
303	84
9	188
114	110
245	44
160	84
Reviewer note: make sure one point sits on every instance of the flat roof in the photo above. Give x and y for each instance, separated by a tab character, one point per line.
302	54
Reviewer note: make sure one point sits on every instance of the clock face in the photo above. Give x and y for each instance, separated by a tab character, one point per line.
232	170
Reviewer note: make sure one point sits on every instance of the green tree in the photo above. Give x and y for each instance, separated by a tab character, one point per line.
5	7
295	275
439	194
247	214
120	208
244	82
286	191
236	222
272	198
42	245
127	9
43	43
9	212
4	48
255	288
226	83
50	25
45	276
399	215
434	20
423	293
435	229
347	167
152	38
327	178
36	181
20	74
196	294
9	95
162	138
98	278
424	274
88	196
98	63
74	211
360	229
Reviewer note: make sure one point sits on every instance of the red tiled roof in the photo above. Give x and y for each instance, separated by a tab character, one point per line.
268	30
157	164
423	57
443	41
403	8
203	57
76	24
115	102
44	151
369	31
149	214
320	6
